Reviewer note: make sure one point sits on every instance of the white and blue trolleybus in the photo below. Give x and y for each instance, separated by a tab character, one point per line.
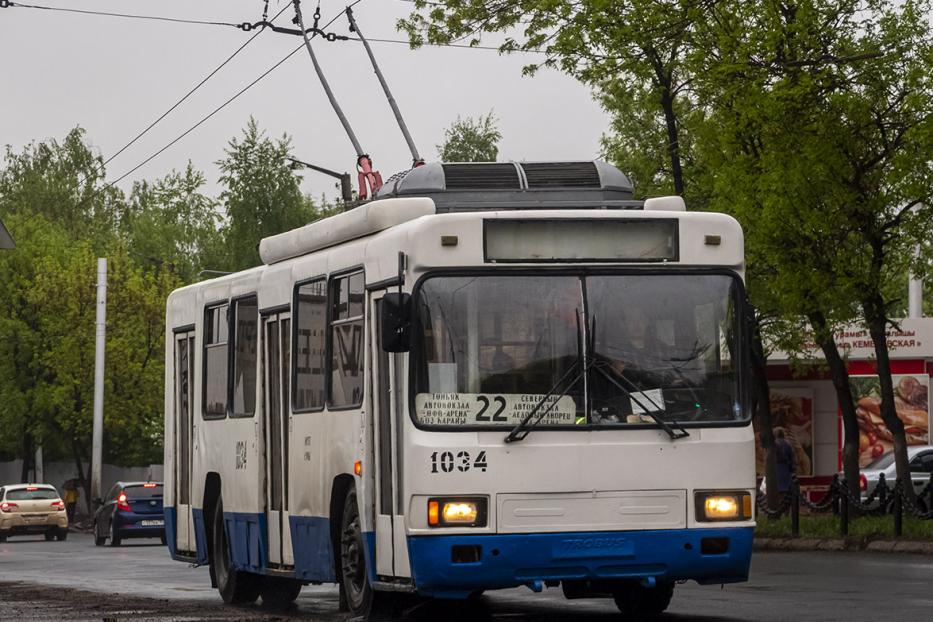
490	375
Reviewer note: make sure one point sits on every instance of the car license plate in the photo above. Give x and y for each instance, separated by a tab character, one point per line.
153	523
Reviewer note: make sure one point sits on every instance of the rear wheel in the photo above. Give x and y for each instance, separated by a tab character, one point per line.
49	535
640	602
99	540
3	537
115	539
61	535
235	586
279	593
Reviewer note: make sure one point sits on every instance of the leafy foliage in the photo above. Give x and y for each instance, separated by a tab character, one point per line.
471	140
261	195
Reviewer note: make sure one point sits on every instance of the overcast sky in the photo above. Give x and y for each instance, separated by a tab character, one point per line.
114	76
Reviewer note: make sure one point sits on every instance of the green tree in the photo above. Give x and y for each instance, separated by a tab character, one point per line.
171	223
261	196
633	52
64	182
471	140
821	111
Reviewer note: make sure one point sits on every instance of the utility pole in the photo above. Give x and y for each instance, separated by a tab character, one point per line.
101	329
40	470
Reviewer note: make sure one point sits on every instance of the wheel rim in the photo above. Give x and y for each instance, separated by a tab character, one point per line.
352	560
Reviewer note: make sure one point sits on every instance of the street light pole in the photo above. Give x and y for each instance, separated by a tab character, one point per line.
101	329
346	189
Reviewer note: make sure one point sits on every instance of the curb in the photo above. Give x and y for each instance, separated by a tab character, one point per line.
844	544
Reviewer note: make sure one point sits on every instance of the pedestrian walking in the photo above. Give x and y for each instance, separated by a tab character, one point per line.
785	460
71	499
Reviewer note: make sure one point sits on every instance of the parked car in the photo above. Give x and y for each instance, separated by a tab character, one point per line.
131	510
32	509
921	465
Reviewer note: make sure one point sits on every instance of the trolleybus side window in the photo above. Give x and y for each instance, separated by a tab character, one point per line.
346	340
310	344
246	317
215	362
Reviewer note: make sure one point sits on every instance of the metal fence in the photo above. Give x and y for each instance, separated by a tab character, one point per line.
840	500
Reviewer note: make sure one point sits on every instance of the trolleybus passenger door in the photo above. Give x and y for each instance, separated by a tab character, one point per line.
385	454
276	342
184	438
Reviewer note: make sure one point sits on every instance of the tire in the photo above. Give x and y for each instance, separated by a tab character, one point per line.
62	535
3	537
279	593
637	602
361	598
49	535
99	540
235	586
115	539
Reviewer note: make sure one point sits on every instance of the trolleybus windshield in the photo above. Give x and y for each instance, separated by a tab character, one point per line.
489	348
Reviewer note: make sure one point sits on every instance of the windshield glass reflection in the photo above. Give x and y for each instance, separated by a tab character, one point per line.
489	349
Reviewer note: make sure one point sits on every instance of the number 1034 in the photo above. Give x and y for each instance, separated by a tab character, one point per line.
447	461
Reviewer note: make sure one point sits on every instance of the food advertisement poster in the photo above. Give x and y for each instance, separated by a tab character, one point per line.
911	398
792	412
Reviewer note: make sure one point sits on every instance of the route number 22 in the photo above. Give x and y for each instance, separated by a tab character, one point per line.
496	416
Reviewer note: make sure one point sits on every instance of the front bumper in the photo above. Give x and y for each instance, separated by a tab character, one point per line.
525	559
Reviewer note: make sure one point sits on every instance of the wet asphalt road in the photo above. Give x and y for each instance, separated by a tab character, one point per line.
784	586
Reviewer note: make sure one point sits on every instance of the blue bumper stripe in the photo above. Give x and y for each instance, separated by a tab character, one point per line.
246	533
170	537
311	546
200	534
512	560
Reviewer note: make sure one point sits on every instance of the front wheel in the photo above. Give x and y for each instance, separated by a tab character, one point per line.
361	598
235	586
356	585
637	602
49	535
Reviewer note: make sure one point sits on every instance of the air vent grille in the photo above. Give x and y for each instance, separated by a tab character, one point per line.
481	177
561	175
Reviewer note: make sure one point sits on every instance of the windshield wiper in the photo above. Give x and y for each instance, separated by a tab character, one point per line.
664	425
521	430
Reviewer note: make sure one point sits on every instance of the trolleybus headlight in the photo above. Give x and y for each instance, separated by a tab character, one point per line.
716	506
457	512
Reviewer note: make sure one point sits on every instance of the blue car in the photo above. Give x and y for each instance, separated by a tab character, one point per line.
131	510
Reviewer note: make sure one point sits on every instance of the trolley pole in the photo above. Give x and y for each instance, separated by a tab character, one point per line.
101	328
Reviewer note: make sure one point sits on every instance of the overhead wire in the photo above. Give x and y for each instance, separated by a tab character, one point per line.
176	20
191	92
226	103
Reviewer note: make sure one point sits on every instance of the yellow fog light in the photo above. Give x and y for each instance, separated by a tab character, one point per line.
454	512
723	506
460	512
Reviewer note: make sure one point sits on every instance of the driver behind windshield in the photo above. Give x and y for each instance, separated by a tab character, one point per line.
627	355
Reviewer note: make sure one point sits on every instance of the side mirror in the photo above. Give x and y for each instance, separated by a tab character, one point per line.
395	323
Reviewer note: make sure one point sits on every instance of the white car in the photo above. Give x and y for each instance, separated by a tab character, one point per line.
32	509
